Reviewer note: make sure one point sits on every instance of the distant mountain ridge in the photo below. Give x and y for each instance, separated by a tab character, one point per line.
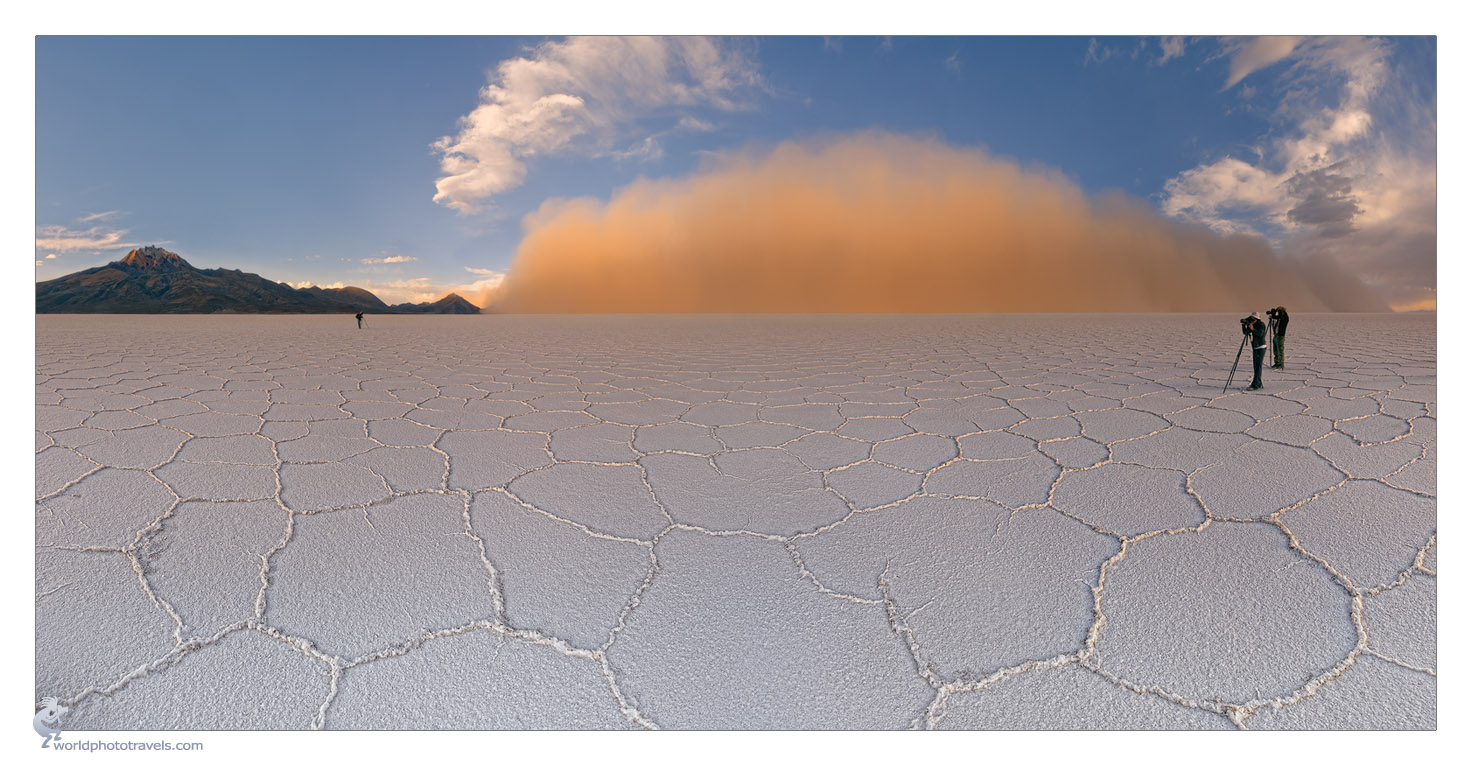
152	280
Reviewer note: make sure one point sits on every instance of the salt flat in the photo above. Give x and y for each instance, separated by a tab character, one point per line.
734	522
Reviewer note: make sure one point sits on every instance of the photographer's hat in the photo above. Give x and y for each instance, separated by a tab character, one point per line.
1255	316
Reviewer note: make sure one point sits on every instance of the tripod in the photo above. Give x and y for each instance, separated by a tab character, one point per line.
1233	374
1273	337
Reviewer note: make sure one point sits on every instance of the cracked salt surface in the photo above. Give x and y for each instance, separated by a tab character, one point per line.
734	522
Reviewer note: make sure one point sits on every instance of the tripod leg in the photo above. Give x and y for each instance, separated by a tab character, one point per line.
1233	374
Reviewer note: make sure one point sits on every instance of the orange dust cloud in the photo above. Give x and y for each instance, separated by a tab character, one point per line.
883	223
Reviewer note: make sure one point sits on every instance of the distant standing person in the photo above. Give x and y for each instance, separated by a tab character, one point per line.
360	320
1259	332
1279	317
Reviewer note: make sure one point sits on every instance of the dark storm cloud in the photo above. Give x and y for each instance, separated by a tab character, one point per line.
1347	170
1325	199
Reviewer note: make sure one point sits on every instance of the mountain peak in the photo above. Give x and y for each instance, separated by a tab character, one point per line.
453	303
152	280
153	258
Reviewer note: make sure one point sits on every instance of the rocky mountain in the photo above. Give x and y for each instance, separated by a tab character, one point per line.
357	296
450	304
152	280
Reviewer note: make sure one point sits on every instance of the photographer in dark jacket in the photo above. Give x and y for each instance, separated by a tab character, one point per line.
1254	326
1279	319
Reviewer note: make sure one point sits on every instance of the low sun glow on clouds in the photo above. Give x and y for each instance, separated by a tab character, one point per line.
1427	302
415	290
93	239
481	291
484	291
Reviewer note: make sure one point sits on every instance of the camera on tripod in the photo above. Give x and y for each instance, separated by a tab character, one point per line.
1247	325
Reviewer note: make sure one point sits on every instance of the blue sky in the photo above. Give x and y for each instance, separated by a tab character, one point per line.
317	160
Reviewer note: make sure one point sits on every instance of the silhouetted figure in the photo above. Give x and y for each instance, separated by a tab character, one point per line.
1279	319
1254	326
360	320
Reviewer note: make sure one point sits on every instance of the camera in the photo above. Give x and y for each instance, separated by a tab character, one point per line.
1246	325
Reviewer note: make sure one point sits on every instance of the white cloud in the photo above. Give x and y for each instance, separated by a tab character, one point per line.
953	62
481	292
391	259
694	125
1171	48
651	150
1347	170
583	87
1097	54
647	150
1209	193
1324	113
49	256
104	216
415	290
1250	54
94	239
832	44
38	263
